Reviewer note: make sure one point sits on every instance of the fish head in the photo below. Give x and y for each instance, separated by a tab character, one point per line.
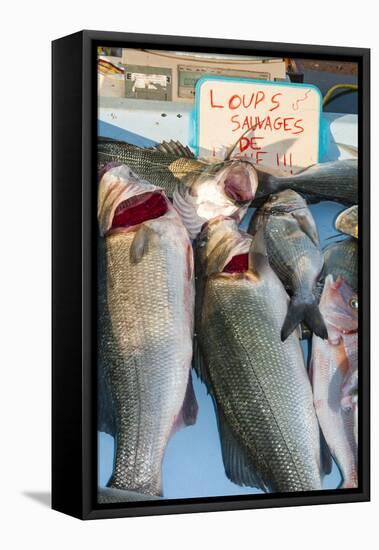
221	241
284	202
225	188
347	221
339	306
125	200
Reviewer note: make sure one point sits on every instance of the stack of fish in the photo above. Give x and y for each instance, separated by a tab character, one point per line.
244	298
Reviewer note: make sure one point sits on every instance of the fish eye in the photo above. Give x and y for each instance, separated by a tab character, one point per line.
354	303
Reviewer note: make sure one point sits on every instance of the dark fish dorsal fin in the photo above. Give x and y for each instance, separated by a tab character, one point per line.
105	414
325	456
188	413
200	367
174	148
238	467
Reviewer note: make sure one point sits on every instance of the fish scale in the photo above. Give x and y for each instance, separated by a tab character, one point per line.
144	314
341	260
334	181
297	264
294	253
334	365
164	169
259	383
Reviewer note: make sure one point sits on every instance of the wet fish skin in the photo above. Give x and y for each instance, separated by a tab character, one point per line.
340	260
169	163
200	190
146	299
294	253
162	166
334	181
107	495
268	427
222	189
347	221
334	373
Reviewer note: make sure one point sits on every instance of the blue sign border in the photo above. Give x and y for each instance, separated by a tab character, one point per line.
194	131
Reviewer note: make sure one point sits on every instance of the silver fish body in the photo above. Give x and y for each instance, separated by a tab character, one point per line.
268	427
294	253
340	260
334	181
200	190
145	331
108	495
334	375
164	165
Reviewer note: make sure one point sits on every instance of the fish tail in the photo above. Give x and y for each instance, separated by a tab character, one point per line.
309	312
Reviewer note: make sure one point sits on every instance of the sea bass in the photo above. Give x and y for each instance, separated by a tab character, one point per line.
334	181
170	162
347	221
146	307
200	190
294	253
334	375
268	428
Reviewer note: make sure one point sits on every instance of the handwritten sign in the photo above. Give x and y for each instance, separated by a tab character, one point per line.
274	124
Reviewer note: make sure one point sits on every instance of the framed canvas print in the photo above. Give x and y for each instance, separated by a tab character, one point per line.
210	275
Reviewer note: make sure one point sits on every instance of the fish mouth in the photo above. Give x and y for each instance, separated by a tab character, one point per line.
139	208
240	183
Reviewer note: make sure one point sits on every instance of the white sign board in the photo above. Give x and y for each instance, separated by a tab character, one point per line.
273	123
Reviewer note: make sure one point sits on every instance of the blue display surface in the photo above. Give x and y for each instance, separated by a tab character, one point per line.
193	465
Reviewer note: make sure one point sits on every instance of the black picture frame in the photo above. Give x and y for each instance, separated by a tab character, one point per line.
74	132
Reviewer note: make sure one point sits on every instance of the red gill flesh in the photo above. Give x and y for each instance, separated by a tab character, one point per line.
140	208
238	264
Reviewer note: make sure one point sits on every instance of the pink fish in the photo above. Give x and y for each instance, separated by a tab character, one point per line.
334	376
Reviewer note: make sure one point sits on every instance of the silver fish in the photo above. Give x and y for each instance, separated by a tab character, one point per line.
268	428
108	495
146	301
334	181
294	253
225	189
334	375
200	189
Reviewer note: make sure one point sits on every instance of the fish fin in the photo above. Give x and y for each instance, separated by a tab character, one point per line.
105	415
174	148
307	224
188	413
190	408
325	456
140	244
304	311
198	364
190	263
238	466
258	260
349	149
